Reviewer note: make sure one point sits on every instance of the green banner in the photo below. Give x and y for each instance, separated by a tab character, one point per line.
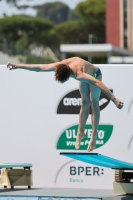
68	137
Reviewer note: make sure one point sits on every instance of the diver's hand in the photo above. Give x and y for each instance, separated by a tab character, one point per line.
11	66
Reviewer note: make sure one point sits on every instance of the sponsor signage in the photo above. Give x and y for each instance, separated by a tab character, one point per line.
77	174
67	139
71	103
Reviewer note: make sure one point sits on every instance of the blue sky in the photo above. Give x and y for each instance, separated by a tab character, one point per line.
9	10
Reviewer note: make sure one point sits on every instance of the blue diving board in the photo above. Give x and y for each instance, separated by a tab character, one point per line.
100	160
14	165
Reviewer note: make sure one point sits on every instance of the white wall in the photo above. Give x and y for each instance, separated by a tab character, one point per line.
30	127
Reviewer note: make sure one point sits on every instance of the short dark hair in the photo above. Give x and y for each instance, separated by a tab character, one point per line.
62	72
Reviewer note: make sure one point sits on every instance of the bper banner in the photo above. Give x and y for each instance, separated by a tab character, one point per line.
39	119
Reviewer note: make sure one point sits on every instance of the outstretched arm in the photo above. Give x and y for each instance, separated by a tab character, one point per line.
31	67
83	77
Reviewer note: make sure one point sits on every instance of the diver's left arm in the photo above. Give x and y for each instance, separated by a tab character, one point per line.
83	77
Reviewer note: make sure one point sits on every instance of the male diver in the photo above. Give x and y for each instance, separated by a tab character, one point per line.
90	87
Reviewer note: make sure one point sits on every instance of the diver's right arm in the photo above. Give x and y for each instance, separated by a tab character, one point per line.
33	67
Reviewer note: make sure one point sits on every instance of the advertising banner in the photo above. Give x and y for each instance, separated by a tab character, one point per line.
39	119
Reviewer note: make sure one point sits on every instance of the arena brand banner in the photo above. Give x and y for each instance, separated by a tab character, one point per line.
71	103
39	119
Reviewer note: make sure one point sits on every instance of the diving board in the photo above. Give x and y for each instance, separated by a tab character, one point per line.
122	183
16	174
100	160
15	165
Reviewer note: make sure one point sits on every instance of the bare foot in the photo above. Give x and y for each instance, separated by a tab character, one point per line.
92	145
79	137
118	103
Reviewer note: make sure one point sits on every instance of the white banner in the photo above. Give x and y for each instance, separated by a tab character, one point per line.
39	119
